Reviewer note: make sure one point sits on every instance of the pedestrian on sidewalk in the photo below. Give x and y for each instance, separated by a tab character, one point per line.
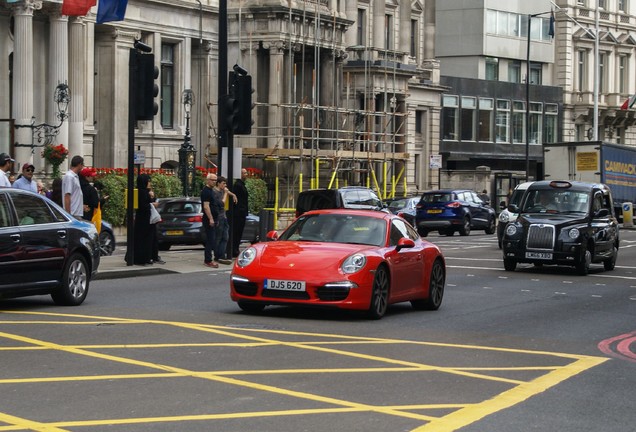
25	180
209	220
221	194
239	212
72	196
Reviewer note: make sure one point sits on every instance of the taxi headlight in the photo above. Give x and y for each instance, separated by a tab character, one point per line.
504	216
574	233
511	229
246	257
353	263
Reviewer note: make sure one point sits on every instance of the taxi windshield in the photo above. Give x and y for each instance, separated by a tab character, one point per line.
555	201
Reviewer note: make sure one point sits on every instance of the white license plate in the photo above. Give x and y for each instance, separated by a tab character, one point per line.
539	255
284	285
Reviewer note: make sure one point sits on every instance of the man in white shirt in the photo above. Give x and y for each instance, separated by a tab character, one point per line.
72	196
5	166
26	182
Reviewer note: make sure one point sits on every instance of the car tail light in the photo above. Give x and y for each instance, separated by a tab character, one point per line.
198	218
454	204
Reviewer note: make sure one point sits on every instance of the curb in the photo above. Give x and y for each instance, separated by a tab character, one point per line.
125	273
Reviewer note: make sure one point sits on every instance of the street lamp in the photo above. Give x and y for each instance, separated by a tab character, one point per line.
187	152
44	133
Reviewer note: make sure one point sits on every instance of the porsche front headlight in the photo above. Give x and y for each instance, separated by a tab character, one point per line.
354	263
246	257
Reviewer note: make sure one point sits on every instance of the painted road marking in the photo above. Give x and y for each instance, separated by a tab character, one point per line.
560	366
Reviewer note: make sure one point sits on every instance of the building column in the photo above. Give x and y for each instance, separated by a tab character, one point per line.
379	17
77	84
405	27
276	73
23	77
351	36
58	74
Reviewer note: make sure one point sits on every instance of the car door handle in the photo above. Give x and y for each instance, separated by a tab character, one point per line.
61	233
15	238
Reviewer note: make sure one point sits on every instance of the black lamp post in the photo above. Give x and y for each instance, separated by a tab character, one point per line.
43	134
187	152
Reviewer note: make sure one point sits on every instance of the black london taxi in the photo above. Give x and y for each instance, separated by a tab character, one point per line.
564	223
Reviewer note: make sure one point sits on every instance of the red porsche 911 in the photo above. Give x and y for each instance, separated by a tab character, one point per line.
348	259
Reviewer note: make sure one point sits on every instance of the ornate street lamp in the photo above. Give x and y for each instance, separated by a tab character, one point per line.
187	152
43	134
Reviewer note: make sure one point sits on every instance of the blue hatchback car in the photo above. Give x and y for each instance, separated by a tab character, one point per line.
450	210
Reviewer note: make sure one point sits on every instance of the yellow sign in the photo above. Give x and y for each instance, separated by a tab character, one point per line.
587	161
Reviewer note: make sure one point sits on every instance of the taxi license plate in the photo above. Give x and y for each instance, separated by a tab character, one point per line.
284	285
174	233
539	255
433	211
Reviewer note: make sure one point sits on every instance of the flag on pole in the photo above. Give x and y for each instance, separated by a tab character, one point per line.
111	10
77	7
629	102
551	29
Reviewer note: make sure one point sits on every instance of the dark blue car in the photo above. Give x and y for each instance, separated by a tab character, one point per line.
450	210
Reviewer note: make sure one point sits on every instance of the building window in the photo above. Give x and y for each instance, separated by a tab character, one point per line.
167	85
418	121
622	73
502	121
622	5
535	126
492	69
602	59
601	4
469	107
362	27
485	120
551	112
580	70
536	75
414	38
580	2
514	71
518	122
388	32
450	113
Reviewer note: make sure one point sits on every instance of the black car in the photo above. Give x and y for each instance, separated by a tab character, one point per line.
404	207
182	223
563	222
350	197
44	250
450	210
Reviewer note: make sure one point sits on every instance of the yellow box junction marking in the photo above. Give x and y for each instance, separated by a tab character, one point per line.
462	414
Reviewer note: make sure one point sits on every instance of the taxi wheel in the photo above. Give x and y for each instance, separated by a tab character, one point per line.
583	266
435	289
510	264
379	293
609	264
251	307
75	280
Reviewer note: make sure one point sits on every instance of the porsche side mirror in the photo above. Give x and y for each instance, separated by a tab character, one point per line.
272	235
404	243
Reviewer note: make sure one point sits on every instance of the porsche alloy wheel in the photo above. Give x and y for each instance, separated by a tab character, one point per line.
75	282
435	289
379	294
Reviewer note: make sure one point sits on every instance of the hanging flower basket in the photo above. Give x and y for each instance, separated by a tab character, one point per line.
55	155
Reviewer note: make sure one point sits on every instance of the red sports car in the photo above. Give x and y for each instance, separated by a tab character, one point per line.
348	259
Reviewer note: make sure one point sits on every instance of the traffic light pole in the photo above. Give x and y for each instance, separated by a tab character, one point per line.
130	227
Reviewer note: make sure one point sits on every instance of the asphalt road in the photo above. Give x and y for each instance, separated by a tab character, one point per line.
535	349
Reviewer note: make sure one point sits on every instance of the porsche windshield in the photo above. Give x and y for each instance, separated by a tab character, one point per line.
337	228
555	201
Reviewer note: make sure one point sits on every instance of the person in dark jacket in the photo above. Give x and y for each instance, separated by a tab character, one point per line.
89	193
239	212
143	239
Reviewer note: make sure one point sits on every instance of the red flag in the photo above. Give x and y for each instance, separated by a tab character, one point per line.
77	7
629	102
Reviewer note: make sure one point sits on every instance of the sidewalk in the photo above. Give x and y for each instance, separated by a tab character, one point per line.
177	261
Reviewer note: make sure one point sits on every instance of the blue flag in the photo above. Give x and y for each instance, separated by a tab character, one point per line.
551	29
111	10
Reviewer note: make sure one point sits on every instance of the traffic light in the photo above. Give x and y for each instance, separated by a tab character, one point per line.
231	104
245	105
146	88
